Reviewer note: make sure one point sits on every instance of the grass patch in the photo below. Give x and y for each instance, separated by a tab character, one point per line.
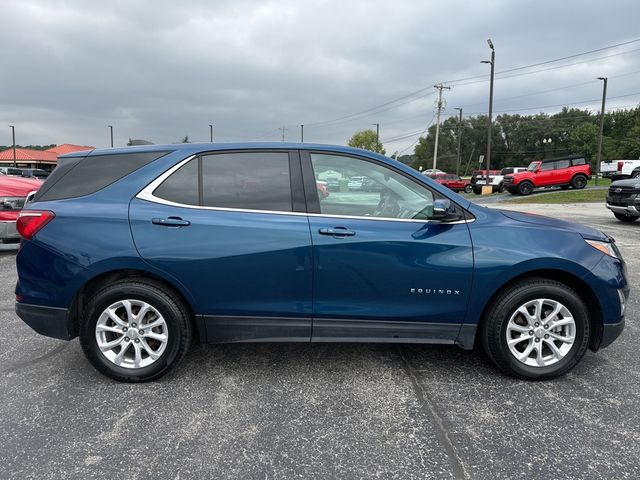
568	196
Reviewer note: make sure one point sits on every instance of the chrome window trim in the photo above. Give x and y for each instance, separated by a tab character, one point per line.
147	194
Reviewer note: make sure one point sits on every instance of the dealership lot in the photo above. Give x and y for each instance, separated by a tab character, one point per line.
321	411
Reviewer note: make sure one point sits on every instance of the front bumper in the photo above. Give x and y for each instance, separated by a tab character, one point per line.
628	209
49	321
610	332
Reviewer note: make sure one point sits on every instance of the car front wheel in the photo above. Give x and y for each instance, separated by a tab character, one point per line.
537	329
525	188
135	331
579	181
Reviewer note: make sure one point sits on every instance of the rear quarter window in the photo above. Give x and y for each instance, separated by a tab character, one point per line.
76	177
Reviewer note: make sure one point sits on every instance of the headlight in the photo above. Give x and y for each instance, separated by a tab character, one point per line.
605	247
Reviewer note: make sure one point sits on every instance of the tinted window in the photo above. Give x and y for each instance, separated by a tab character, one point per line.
182	185
506	171
578	161
75	177
251	180
389	195
546	166
562	164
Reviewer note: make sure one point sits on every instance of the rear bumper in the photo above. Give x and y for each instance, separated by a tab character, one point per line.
49	321
610	332
8	230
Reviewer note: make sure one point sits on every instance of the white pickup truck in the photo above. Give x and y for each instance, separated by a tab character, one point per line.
620	169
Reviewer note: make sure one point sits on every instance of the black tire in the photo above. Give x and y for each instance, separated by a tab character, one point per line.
500	187
525	188
635	174
172	309
494	327
623	217
579	182
468	188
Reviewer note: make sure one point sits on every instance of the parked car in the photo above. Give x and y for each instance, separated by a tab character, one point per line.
623	199
11	171
13	192
620	169
355	183
496	179
138	250
431	171
323	192
35	173
333	184
572	171
452	182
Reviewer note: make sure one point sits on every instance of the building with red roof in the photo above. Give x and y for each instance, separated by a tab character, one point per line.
44	159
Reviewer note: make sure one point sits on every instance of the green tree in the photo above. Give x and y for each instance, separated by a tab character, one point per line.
185	139
366	139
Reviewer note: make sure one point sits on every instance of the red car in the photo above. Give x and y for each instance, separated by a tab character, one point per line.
13	193
453	182
572	171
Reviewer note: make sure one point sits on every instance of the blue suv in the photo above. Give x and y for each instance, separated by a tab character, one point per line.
139	251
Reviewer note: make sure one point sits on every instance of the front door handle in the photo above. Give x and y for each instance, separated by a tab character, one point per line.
337	232
171	222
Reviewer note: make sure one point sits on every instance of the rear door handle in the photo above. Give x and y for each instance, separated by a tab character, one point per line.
171	222
337	232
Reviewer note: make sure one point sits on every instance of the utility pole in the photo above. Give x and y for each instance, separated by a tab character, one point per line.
13	135
211	133
377	135
493	66
283	129
604	99
440	87
458	152
111	131
301	133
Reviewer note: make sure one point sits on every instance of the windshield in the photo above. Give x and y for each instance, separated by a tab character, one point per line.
533	166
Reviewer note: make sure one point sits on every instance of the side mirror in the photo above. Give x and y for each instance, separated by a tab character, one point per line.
441	208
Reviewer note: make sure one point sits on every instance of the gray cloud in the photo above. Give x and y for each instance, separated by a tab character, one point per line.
164	69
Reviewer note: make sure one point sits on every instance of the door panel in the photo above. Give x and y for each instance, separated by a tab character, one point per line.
391	279
249	271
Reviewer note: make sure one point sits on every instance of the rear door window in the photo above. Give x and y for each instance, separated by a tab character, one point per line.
242	181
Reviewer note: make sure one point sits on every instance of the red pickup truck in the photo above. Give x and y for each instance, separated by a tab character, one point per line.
453	182
13	193
572	171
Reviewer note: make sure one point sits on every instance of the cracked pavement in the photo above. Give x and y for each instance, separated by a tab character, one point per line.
274	411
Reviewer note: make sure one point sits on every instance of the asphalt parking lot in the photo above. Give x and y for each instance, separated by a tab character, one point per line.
322	411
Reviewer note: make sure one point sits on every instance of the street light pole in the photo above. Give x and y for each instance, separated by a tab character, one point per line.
458	153
604	99
301	133
211	133
13	136
493	66
377	134
111	134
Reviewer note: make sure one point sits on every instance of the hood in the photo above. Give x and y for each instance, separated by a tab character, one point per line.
586	232
628	183
18	187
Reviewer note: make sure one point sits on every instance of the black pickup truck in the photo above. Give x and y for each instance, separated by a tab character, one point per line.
623	199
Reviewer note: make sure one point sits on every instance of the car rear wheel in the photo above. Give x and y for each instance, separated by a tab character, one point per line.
537	329
525	188
135	331
579	181
468	188
623	217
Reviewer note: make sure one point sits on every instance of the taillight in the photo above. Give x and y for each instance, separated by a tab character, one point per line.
30	222
620	165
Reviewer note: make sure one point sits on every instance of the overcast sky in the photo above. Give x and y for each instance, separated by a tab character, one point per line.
160	69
